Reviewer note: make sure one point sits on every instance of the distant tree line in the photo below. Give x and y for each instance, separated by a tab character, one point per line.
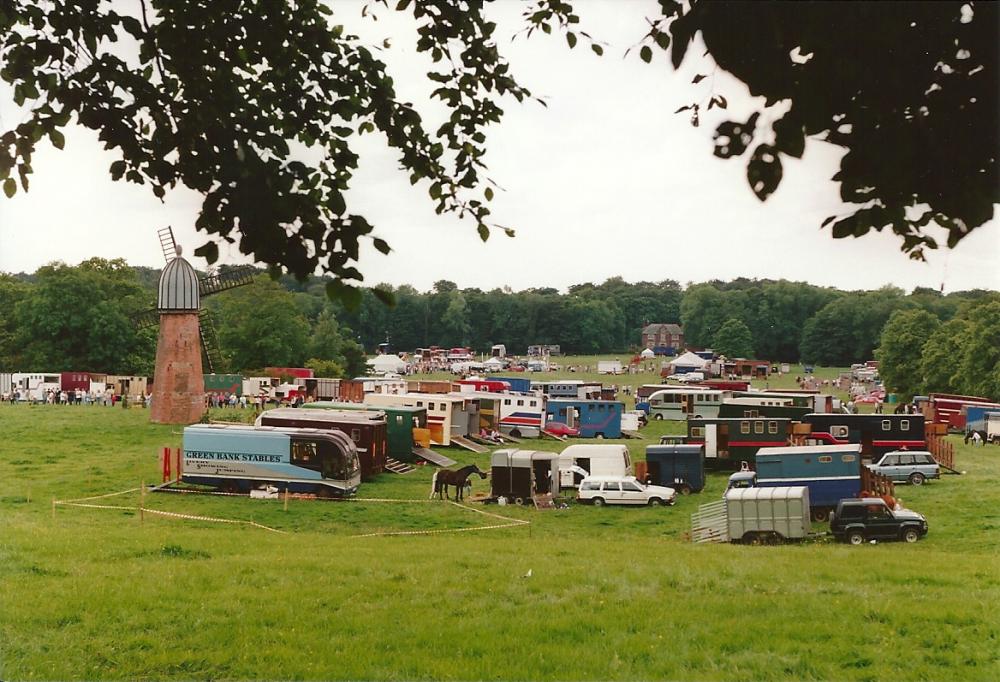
78	317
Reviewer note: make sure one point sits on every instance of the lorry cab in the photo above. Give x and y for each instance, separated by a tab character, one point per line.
742	479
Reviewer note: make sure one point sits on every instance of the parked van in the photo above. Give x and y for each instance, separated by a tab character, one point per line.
596	460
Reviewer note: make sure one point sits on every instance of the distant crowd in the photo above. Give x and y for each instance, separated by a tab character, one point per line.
77	397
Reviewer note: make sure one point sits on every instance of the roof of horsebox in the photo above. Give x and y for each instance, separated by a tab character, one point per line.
325	416
509	457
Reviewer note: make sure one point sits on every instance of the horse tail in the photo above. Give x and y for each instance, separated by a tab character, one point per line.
434	484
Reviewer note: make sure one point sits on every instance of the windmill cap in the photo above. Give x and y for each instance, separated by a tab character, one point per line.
179	287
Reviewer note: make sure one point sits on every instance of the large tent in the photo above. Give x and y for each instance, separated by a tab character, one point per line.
647	354
386	364
688	362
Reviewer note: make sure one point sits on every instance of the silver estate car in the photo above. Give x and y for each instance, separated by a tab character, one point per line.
915	466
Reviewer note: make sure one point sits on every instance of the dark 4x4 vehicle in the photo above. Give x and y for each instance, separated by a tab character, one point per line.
870	518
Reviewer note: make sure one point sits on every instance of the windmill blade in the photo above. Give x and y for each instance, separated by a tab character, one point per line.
211	355
230	278
167	243
146	319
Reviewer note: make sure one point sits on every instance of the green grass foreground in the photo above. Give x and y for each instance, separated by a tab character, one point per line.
613	593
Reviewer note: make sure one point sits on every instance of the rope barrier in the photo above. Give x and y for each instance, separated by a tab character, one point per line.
84	503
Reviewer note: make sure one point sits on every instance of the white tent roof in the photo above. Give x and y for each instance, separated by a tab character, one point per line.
647	353
494	362
689	359
387	363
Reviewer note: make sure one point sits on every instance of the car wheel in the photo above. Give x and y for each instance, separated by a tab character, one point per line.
856	537
917	478
684	489
599	502
658	417
820	515
911	535
655	502
516	433
599	436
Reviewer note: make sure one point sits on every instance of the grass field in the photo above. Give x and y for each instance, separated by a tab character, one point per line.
613	593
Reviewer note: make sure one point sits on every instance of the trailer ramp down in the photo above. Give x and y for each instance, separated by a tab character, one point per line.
633	434
395	466
437	458
552	434
710	523
463	442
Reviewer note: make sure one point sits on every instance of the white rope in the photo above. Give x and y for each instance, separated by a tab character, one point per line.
509	522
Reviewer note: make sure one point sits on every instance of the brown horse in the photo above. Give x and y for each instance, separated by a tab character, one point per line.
445	477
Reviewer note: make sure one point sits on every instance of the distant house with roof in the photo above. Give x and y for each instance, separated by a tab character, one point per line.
663	338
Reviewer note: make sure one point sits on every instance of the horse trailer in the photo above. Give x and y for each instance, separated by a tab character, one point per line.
366	429
681	467
406	427
519	475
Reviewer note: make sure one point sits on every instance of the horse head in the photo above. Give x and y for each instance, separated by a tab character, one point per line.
482	474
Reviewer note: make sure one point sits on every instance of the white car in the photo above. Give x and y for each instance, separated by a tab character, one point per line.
602	490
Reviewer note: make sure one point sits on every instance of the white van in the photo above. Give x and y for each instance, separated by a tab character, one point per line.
595	460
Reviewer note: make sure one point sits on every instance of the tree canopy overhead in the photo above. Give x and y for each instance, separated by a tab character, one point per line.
258	106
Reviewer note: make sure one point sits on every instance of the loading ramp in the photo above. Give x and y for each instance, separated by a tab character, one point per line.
437	458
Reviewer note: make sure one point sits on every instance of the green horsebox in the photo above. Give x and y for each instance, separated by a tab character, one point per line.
400	423
224	383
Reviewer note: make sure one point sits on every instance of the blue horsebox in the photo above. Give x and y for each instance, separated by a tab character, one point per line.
681	467
831	472
237	457
517	384
594	418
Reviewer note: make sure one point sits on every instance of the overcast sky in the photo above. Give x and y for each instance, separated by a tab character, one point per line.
605	182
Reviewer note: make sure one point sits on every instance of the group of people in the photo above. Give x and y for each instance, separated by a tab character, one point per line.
53	396
257	402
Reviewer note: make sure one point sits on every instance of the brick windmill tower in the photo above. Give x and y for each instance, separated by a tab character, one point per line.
186	332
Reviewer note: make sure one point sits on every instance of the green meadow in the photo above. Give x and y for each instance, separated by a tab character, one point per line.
613	593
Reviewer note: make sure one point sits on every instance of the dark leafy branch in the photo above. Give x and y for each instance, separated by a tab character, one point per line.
237	99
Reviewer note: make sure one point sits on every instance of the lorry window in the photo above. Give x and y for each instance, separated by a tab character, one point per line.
744	427
304	453
824	459
886	425
848	458
356	435
772	427
758	427
904	425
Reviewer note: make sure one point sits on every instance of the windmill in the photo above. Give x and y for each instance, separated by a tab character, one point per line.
186	332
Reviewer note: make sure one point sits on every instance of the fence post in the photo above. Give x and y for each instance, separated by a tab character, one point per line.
142	502
165	463
286	497
177	453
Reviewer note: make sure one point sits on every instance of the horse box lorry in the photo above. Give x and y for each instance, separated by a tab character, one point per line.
596	460
238	458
